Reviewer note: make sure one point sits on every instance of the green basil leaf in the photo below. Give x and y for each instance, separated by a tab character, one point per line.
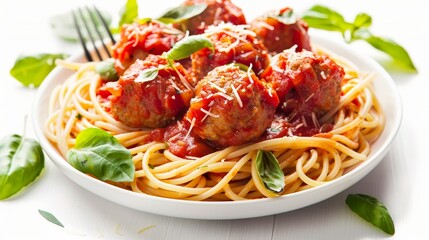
32	70
50	217
147	75
143	20
63	25
182	13
288	17
98	153
269	171
371	210
362	20
188	45
129	12
21	161
394	50
107	70
322	17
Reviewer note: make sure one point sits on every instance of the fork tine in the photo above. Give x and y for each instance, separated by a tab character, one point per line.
106	27
94	23
88	30
81	38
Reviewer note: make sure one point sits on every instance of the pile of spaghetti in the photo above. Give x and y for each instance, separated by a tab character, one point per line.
313	110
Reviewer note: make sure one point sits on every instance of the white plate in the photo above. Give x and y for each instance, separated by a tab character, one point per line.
386	92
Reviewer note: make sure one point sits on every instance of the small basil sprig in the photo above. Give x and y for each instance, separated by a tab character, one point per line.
32	70
182	13
182	49
188	45
98	153
287	17
107	70
129	12
269	171
372	210
322	17
21	161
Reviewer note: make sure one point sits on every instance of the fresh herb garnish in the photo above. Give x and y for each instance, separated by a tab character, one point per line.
50	217
182	49
21	161
32	70
129	12
269	171
371	210
147	75
107	70
322	17
98	153
188	45
287	17
182	13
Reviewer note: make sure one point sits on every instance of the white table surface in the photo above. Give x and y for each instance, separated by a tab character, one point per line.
400	180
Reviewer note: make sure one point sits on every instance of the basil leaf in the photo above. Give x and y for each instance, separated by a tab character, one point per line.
322	17
269	171
98	153
362	20
63	26
32	70
50	217
372	211
182	13
288	17
21	161
129	12
107	70
147	75
188	45
394	50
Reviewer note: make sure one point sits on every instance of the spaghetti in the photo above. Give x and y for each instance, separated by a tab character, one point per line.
230	173
323	112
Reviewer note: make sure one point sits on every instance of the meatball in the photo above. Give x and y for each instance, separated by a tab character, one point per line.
217	11
231	107
137	40
232	44
151	103
280	30
305	82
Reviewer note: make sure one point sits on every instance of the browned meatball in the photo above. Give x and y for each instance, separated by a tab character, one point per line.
231	107
153	103
305	82
217	11
138	40
280	30
232	44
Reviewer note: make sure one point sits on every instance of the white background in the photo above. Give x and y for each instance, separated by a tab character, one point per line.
400	180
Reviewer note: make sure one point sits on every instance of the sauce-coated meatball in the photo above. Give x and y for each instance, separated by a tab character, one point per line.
217	11
278	34
305	82
231	107
139	40
232	44
153	103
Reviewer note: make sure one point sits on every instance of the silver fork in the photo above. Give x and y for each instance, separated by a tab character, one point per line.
92	31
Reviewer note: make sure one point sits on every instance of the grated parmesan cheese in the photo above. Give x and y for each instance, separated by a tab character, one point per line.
240	103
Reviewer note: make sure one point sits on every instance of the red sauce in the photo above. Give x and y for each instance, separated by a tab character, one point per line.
180	142
301	125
